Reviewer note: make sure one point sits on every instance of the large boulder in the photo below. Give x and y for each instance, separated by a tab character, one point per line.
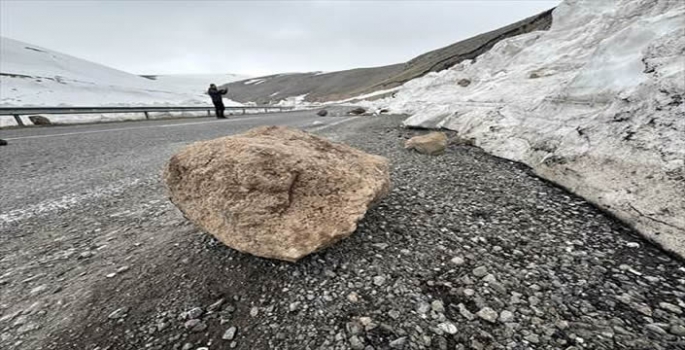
433	143
276	192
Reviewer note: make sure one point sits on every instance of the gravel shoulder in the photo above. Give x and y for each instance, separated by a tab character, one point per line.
468	251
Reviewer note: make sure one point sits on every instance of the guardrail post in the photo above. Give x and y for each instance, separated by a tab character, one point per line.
266	110
209	114
18	119
243	111
146	115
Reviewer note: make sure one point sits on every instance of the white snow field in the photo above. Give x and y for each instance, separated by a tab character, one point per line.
595	104
31	76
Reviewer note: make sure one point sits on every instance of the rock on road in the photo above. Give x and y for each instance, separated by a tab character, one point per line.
468	251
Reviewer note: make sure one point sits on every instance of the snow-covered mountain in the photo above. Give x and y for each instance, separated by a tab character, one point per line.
35	76
194	83
594	104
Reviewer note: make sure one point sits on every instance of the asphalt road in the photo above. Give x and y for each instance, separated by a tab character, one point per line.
44	170
466	251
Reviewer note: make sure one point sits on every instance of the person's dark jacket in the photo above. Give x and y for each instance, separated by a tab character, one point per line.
215	94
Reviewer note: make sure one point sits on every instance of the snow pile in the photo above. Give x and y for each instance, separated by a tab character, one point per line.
297	102
34	76
594	104
194	83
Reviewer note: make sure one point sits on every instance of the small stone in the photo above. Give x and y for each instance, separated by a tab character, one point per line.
506	316
458	261
394	314
652	327
468	292
38	290
480	271
187	346
379	280
498	287
367	323
489	278
353	297
423	308
677	330
633	245
192	323
488	314
448	327
293	306
216	305
122	269
356	343
254	311
85	255
233	345
465	312
670	307
118	313
195	312
398	343
438	306
380	246
643	309
533	300
624	298
561	324
229	334
29	327
532	338
111	275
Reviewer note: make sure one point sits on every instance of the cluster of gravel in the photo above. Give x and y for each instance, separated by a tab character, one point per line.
467	252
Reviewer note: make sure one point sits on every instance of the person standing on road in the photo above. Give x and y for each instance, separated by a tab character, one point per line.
217	100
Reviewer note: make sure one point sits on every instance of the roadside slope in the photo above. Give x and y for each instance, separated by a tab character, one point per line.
346	84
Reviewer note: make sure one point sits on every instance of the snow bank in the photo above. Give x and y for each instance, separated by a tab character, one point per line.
594	104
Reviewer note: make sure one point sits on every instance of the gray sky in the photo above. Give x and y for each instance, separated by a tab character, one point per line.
255	37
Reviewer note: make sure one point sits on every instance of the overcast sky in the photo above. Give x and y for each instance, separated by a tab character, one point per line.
255	37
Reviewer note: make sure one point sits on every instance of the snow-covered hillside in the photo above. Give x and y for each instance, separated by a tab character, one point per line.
594	104
34	76
194	83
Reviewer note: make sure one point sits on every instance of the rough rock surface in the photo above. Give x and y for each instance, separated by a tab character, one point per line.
595	104
433	143
276	192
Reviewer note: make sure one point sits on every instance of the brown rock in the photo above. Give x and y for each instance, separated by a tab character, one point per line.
433	143
39	120
276	192
464	82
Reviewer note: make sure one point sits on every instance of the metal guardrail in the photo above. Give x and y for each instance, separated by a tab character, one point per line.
17	112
